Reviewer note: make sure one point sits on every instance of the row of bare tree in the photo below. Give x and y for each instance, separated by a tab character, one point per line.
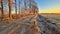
10	7
27	3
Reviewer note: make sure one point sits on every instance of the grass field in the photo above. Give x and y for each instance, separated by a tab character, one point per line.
53	17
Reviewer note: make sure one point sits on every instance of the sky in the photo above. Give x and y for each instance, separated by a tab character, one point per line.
48	6
45	6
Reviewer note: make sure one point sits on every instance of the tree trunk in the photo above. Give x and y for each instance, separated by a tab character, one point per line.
30	4
25	3
19	7
10	10
2	11
16	8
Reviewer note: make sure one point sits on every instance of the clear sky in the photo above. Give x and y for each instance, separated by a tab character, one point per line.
48	6
45	6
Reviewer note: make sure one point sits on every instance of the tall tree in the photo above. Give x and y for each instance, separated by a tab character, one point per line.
16	7
19	6
2	11
30	4
33	6
25	3
10	9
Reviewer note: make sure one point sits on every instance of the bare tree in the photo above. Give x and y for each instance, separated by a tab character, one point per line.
2	9
25	3
10	9
33	6
30	4
19	6
16	7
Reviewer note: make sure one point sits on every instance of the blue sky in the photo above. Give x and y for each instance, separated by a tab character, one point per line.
46	4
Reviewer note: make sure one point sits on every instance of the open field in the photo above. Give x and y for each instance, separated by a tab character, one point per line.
53	17
50	15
